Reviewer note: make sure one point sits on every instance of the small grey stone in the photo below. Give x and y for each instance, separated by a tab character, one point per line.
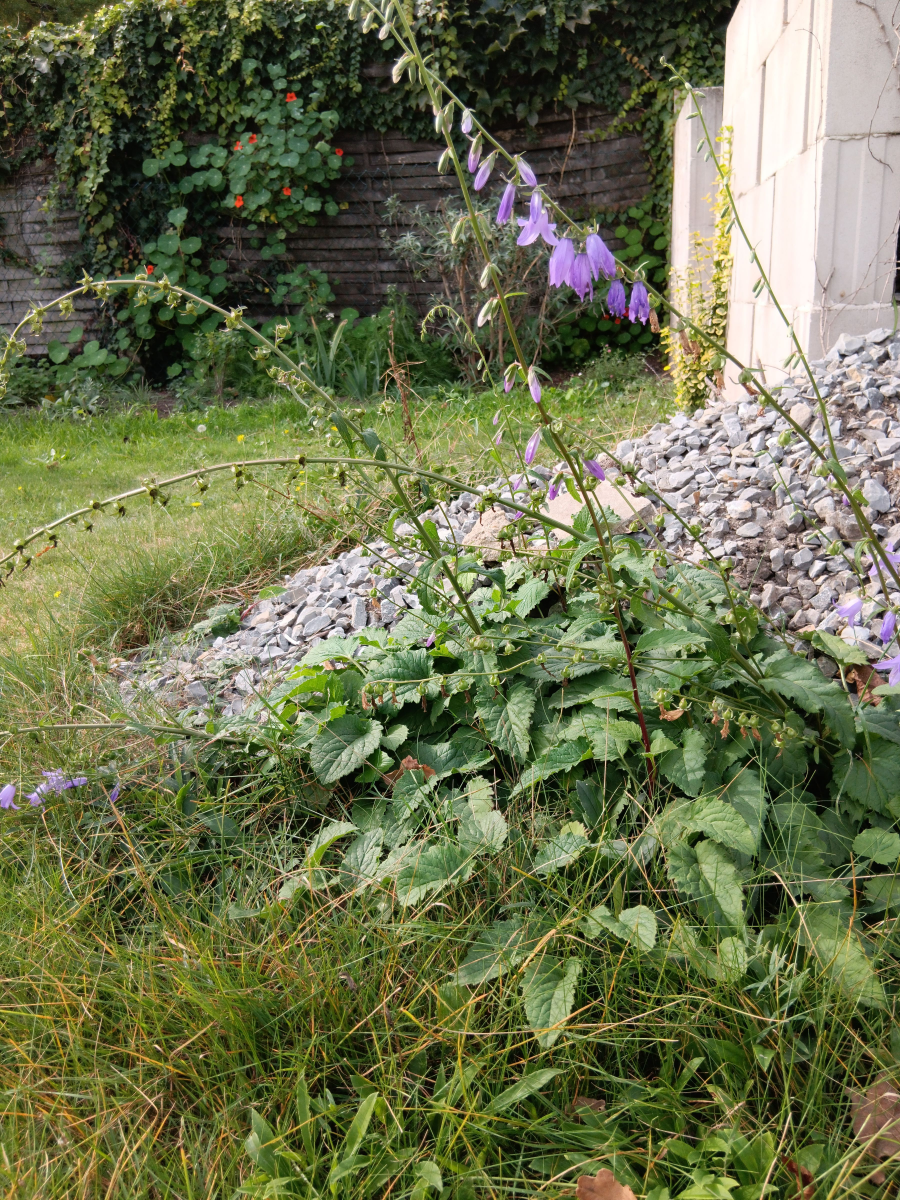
776	558
791	605
308	614
874	397
817	568
877	497
739	509
827	667
802	558
244	681
749	530
823	599
358	615
197	692
847	525
388	610
802	414
877	336
316	625
847	344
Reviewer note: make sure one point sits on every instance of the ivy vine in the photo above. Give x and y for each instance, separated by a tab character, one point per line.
167	121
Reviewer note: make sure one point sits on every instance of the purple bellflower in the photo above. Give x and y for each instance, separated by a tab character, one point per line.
893	665
532	448
430	640
7	795
114	794
499	438
56	782
474	155
525	173
640	303
615	298
507	203
850	610
537	225
534	385
593	468
496	417
561	262
887	557
466	122
484	172
509	383
553	489
888	625
580	277
599	256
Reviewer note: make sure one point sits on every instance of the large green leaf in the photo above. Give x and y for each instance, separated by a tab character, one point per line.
722	823
686	767
360	866
797	679
562	849
466	752
746	794
499	948
482	828
880	845
637	925
548	991
408	675
557	758
507	718
436	867
610	737
343	745
719	874
528	596
824	932
872	779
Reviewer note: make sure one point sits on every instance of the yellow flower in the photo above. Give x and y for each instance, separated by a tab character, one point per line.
56	595
196	504
240	437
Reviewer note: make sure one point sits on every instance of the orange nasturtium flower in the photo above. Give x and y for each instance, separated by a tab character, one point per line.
238	146
286	191
252	139
290	97
239	202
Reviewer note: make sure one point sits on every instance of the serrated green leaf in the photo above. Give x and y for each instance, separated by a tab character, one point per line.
467	752
436	867
394	737
721	822
670	639
801	681
873	778
500	948
838	649
880	845
686	767
548	992
719	874
562	849
482	827
360	866
529	596
507	718
343	745
557	758
637	925
840	953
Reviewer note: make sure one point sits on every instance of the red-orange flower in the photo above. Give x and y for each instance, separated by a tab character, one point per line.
238	146
239	202
339	153
291	96
252	139
286	191
150	269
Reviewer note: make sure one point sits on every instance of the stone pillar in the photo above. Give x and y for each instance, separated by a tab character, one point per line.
695	180
812	91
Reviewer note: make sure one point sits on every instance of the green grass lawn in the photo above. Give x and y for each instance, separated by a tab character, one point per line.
144	1020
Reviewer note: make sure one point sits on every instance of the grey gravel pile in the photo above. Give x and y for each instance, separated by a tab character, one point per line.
763	506
756	503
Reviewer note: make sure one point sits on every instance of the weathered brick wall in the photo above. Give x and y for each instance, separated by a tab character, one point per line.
580	169
35	242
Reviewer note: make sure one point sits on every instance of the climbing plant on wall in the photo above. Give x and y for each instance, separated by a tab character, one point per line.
167	121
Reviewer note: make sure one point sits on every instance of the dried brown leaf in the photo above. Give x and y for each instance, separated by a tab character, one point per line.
877	1115
409	764
602	1186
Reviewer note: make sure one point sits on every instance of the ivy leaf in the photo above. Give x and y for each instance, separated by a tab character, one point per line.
880	845
840	953
557	758
548	990
562	849
801	681
499	948
507	719
436	867
343	745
